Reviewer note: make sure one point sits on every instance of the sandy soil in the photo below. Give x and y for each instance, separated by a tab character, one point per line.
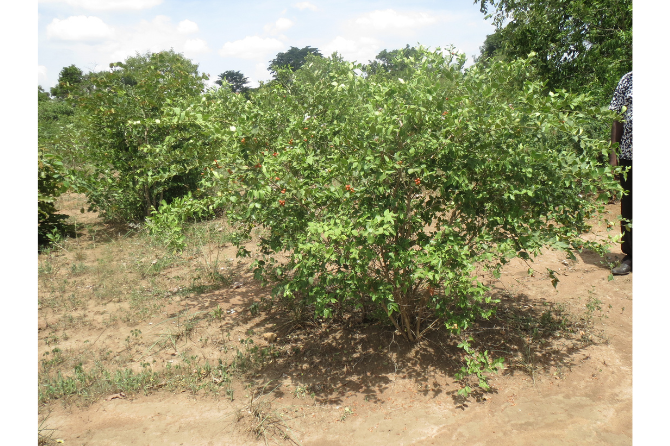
388	392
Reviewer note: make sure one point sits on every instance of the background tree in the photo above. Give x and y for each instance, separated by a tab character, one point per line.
394	61
492	48
581	44
235	79
404	62
294	58
68	82
42	94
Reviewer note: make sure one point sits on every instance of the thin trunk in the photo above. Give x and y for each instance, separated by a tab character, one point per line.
406	322
147	201
394	321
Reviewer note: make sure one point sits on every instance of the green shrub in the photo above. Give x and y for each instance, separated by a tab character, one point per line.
51	183
393	192
139	145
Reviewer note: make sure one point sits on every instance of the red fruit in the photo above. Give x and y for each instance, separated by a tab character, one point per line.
281	202
274	154
283	191
243	140
230	171
276	178
304	140
417	181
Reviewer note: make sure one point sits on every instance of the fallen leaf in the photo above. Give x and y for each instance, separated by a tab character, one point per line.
115	396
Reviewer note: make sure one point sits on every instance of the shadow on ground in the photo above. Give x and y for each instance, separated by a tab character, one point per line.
351	354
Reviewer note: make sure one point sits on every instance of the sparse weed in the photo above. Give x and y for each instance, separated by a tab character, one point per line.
260	420
345	413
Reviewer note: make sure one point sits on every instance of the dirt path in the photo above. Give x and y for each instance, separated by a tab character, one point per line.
568	396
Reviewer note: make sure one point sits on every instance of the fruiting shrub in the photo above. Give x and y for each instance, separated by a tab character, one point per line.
394	192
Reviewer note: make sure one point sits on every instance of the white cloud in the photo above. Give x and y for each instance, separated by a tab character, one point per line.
79	28
277	27
42	78
391	20
283	24
109	5
195	46
360	49
304	5
159	34
251	47
187	27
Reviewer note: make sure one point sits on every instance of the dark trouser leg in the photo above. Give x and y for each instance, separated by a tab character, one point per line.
627	209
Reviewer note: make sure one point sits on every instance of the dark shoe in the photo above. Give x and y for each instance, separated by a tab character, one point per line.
624	268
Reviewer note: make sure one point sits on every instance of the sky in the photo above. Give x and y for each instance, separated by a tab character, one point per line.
245	36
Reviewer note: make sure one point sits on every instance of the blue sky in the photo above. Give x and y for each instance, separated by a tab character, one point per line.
245	36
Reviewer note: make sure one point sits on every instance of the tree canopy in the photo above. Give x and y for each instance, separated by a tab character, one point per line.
580	44
393	61
237	81
68	81
294	58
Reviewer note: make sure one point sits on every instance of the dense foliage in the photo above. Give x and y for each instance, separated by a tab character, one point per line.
139	151
391	192
580	44
69	80
389	186
235	80
53	116
293	58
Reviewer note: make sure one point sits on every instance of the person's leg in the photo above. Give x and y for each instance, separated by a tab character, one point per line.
626	213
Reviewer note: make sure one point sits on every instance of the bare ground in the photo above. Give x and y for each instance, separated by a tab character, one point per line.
343	382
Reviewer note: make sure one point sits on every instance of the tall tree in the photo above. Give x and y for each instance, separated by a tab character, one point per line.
394	61
68	81
580	44
235	79
294	58
42	94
